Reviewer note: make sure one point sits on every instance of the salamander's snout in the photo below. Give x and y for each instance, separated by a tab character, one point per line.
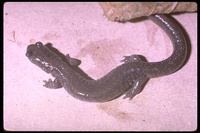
30	50
29	53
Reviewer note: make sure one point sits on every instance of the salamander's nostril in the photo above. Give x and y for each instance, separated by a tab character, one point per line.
29	53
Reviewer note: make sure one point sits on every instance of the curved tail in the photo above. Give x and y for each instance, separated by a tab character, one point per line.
172	63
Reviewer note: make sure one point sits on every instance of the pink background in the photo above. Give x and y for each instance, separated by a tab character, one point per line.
167	103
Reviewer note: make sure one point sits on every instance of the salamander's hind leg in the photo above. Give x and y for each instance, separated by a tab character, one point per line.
55	84
136	88
132	58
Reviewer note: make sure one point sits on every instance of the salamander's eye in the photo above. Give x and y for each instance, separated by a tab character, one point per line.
38	44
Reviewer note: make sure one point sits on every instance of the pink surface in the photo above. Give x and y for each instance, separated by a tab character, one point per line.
167	103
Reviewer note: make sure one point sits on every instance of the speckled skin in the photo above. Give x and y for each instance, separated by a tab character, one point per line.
127	78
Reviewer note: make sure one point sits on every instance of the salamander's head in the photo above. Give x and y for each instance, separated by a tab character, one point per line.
41	56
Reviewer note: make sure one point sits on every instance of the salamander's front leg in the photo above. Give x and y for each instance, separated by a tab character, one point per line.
72	61
55	84
136	88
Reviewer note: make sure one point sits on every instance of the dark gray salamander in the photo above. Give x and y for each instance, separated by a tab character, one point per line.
127	78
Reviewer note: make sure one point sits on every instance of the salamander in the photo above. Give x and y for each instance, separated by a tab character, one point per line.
126	79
